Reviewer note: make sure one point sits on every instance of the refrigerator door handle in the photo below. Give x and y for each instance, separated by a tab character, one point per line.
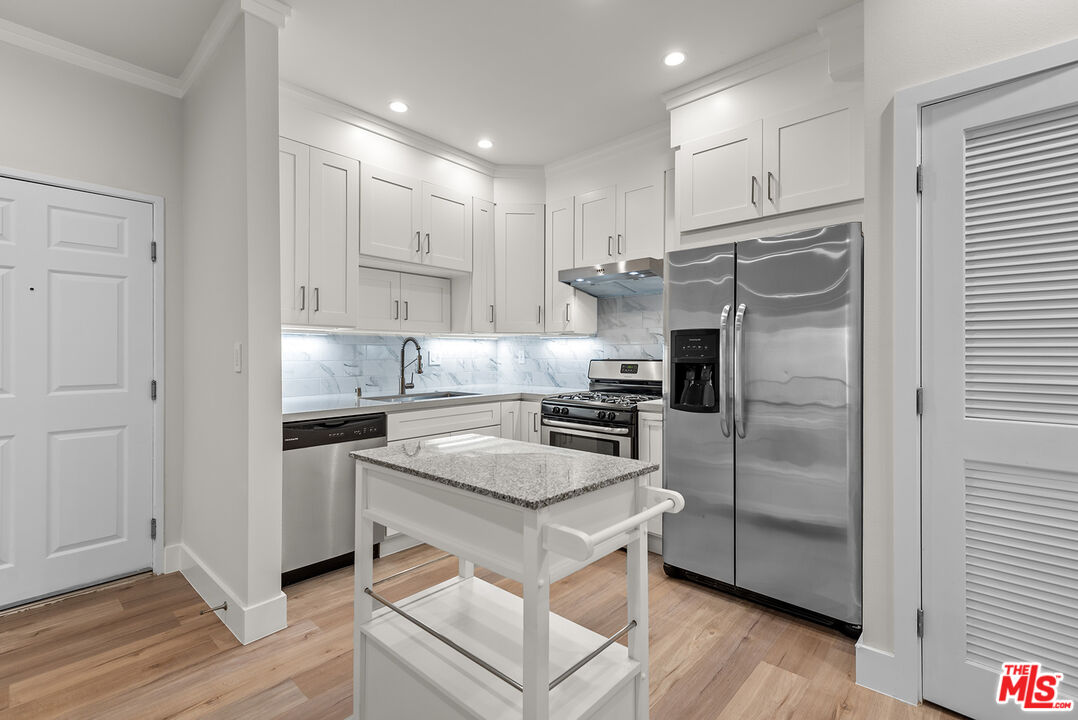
739	371
724	372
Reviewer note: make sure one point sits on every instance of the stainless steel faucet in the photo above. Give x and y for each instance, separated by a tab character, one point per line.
418	361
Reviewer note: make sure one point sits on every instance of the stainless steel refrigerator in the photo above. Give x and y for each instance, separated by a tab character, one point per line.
762	433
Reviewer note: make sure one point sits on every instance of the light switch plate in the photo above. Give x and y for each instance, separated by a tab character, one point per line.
434	359
237	357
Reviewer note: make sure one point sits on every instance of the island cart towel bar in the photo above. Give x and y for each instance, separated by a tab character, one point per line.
578	545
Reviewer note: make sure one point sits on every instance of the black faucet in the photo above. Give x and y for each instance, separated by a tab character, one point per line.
418	361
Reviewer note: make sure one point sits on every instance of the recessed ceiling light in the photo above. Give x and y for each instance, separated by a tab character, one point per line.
485	143
675	58
398	106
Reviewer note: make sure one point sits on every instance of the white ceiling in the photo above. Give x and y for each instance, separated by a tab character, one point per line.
545	79
159	35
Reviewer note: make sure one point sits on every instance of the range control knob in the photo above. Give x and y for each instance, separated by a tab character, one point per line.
564	411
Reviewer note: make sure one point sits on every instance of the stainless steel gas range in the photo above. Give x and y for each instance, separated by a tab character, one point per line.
603	420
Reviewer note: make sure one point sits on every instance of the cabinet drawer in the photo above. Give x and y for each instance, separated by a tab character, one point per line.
418	423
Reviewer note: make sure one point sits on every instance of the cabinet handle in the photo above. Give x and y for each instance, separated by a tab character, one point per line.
317	299
620	251
405	309
428	243
302	297
492	313
770	192
396	309
752	190
567	312
609	245
539	321
535	422
418	243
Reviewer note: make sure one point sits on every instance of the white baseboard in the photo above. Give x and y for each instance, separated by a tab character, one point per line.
877	671
247	622
655	543
173	558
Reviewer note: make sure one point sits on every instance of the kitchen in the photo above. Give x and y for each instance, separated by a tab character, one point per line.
461	246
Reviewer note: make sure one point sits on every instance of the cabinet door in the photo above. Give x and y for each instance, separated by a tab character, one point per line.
814	155
427	303
650	446
391	215
447	228
379	300
718	178
596	226
519	261
567	310
640	218
531	430
334	242
295	168
511	420
483	266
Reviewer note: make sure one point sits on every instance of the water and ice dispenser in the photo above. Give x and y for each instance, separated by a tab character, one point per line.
696	367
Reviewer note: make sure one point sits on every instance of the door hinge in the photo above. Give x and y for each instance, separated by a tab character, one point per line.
920	179
920	401
153	389
920	622
153	251
153	528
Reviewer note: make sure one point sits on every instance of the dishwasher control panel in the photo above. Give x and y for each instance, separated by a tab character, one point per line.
313	433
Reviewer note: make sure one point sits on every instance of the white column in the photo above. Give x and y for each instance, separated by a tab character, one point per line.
636	573
536	678
364	579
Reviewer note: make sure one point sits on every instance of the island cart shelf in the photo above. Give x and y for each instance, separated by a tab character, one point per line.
467	649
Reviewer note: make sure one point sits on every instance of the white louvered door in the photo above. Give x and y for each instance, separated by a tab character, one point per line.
1000	370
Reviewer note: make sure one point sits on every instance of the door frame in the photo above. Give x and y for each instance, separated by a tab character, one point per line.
158	205
899	673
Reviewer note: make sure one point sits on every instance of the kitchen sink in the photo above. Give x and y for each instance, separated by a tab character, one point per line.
421	396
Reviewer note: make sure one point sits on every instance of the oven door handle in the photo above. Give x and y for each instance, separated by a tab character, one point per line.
586	428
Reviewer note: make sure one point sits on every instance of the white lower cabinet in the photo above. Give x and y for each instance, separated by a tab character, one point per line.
650	448
401	301
511	420
531	422
442	421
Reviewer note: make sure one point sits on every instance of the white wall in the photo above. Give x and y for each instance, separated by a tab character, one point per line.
908	42
643	154
232	491
70	123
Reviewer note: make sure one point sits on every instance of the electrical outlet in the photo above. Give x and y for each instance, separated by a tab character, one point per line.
521	359
434	359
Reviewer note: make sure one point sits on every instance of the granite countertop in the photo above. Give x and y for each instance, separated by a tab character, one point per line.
318	407
525	474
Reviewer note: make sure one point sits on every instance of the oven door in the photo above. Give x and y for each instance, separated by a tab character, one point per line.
614	441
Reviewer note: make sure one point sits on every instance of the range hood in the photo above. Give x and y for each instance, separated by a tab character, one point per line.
628	277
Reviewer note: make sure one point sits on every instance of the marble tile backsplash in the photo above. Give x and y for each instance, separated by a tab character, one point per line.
321	364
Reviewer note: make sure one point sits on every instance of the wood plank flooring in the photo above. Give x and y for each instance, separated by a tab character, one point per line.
140	650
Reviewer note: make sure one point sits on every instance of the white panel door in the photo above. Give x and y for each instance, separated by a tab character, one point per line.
390	215
379	293
815	155
76	361
334	242
428	303
295	168
483	266
596	226
1000	371
519	258
640	218
447	228
718	178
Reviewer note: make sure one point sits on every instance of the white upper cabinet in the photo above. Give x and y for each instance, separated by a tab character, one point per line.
295	164
447	228
379	299
640	211
567	310
804	158
391	215
426	303
814	155
519	261
718	178
596	226
483	296
334	239
319	196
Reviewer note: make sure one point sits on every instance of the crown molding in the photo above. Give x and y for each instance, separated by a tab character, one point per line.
746	70
379	126
641	138
844	32
520	172
49	46
274	12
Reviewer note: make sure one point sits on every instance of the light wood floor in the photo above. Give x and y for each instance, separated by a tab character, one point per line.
140	650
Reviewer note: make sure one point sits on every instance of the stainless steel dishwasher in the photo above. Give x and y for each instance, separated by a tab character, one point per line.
320	492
